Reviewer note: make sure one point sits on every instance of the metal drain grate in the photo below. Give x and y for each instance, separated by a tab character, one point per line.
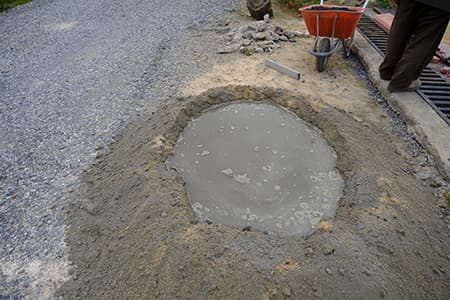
374	34
434	89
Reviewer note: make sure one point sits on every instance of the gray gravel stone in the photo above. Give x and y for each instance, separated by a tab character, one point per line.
229	49
424	175
72	74
261	26
259	36
287	291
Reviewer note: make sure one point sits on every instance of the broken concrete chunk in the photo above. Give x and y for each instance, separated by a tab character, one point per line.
243	28
277	29
276	46
246	50
229	49
259	50
267	48
238	36
289	35
246	43
265	43
269	37
275	37
252	27
241	38
259	36
248	35
228	38
261	26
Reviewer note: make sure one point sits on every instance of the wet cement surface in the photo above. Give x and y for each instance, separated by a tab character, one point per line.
258	165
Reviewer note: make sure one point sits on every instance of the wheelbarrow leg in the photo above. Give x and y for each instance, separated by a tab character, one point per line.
323	47
347	45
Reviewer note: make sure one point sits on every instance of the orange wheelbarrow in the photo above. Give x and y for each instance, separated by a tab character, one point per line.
332	26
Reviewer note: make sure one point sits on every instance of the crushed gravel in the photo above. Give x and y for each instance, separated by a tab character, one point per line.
72	74
399	125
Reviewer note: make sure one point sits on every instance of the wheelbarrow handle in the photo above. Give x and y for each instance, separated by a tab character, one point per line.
364	5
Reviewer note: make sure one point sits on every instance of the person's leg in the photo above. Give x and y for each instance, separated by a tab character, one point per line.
431	25
401	31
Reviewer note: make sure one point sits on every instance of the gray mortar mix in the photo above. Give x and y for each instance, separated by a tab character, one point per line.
72	74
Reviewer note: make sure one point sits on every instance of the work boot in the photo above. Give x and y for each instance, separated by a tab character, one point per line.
385	75
412	87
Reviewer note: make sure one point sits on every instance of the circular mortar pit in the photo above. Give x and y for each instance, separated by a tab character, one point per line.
258	165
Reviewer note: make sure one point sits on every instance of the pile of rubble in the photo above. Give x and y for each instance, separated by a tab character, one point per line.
258	37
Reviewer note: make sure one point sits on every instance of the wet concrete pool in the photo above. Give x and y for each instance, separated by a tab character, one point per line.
258	165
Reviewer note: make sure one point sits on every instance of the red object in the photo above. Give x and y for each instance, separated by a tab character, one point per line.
435	60
440	55
345	23
445	70
384	21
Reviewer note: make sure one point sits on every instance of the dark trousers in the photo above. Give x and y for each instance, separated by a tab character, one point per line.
415	34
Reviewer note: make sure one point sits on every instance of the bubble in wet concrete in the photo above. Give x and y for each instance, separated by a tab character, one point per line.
228	172
270	170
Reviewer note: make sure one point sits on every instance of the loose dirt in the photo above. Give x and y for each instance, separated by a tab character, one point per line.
133	233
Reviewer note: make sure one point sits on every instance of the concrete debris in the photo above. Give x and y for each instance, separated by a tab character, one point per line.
229	49
258	37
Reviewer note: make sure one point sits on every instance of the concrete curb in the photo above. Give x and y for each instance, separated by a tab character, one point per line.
431	131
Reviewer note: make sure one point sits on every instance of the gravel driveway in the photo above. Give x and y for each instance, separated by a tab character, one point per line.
72	74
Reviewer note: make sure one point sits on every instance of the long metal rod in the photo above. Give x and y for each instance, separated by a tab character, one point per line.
282	69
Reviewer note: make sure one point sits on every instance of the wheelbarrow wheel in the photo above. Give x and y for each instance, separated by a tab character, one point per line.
321	61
